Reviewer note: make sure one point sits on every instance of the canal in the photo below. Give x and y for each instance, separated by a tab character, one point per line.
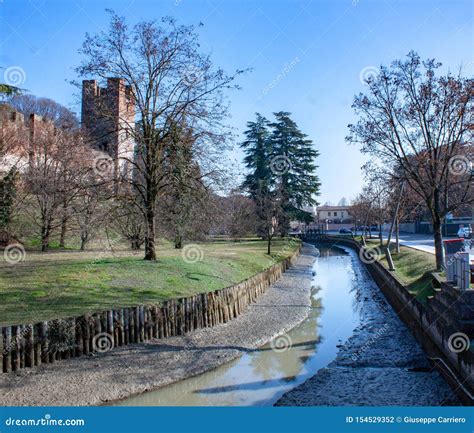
262	376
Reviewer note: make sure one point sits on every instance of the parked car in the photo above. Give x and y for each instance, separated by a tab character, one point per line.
465	232
345	231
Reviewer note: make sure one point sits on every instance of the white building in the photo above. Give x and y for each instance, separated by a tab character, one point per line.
334	214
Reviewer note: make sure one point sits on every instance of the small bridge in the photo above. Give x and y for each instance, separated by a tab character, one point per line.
313	235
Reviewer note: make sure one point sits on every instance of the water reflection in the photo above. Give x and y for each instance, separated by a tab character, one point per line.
261	376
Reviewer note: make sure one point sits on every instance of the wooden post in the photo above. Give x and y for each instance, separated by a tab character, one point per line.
155	319
30	348
44	343
141	312
126	321
110	324
136	321
15	349
132	325
87	334
79	336
122	327
7	351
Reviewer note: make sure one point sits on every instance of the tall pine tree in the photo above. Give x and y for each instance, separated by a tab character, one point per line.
260	181
282	173
293	164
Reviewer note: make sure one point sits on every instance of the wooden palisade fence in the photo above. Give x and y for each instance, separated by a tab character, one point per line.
47	342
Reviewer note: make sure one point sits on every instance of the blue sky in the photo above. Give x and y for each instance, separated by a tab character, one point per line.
307	56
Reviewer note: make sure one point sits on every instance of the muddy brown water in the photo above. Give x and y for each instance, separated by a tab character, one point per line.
261	376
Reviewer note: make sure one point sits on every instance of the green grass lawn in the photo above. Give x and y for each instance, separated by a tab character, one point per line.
61	284
413	268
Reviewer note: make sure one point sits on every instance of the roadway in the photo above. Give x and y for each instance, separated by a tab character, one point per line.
417	241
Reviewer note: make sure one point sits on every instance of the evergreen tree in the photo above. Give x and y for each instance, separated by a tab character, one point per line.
281	178
260	180
293	163
257	147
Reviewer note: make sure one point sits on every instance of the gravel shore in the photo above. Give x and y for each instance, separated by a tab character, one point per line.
142	367
381	364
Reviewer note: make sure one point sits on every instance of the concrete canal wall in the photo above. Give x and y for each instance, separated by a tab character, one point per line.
31	345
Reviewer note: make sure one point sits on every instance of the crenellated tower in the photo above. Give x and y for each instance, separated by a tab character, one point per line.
108	114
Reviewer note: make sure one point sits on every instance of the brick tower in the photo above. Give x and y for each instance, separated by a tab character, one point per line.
108	114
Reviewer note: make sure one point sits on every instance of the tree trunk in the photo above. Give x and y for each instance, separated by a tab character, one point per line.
45	231
380	234
269	244
397	235
178	242
62	239
438	241
4	236
83	242
150	252
437	221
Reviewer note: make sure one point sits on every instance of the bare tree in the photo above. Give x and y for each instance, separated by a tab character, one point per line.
242	216
170	82
14	138
129	221
60	115
233	215
343	202
58	162
420	127
89	209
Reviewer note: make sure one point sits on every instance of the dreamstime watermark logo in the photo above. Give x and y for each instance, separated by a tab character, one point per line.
280	165
281	75
468	244
356	356
368	74
369	255
14	76
458	342
103	342
46	420
14	253
103	165
459	165
289	245
282	343
192	253
193	75
16	340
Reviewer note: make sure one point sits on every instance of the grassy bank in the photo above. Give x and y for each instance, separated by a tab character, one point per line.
69	283
412	267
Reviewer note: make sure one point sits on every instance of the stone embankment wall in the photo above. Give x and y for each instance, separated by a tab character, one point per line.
47	342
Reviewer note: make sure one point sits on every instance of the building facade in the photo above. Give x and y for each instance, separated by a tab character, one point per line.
334	214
